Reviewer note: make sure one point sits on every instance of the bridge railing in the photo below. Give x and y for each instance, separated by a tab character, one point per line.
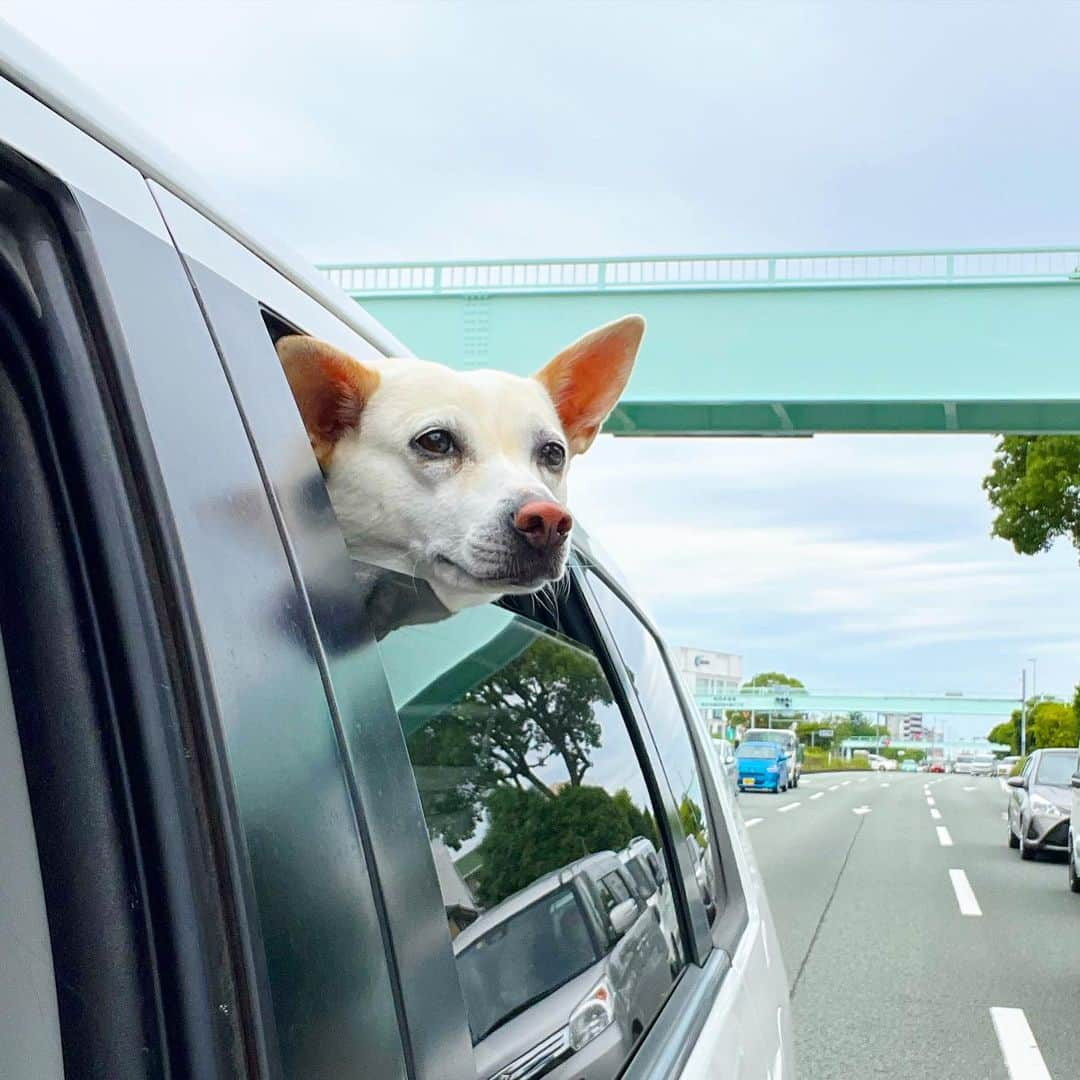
705	271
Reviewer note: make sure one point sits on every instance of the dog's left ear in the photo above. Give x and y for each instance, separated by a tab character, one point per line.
330	388
586	380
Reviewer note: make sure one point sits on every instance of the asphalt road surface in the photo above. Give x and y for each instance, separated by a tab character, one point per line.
918	944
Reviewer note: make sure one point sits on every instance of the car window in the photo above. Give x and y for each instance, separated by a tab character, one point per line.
529	781
1056	769
663	710
642	876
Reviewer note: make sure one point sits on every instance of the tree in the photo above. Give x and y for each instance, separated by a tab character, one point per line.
531	835
1008	732
1034	484
1053	724
765	679
503	731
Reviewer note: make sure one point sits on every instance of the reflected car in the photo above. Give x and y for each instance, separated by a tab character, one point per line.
1040	802
763	766
561	978
725	754
647	869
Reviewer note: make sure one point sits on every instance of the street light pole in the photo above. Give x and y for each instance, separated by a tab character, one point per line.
1023	712
1034	672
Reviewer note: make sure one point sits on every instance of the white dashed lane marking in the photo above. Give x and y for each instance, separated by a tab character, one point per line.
835	787
844	783
790	806
1018	1046
965	895
930	800
935	813
817	796
944	839
754	821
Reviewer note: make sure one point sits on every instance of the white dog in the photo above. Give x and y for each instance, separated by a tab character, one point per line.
456	477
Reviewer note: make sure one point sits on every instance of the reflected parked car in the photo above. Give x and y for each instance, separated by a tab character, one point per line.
647	869
762	766
725	754
561	978
1040	802
1006	765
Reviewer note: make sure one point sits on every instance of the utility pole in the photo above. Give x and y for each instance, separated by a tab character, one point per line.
1023	712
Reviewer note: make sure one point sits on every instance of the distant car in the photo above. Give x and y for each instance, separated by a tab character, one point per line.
725	754
784	738
1006	765
763	766
577	958
963	763
983	765
881	764
1040	802
937	766
908	766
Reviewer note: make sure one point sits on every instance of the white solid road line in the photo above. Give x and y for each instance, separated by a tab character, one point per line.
754	821
817	796
935	813
1018	1045
965	895
944	839
835	787
790	806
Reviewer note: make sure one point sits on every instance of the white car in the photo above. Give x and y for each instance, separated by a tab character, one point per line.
881	764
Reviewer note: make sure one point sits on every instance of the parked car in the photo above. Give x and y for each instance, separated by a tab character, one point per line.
908	766
881	764
763	766
1006	765
1073	840
784	738
1040	802
569	970
286	858
983	765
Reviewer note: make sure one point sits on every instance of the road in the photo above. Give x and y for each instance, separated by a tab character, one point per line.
889	976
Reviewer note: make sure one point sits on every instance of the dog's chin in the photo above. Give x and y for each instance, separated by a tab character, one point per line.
497	581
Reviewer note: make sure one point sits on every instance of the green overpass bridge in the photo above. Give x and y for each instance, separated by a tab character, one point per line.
782	344
784	700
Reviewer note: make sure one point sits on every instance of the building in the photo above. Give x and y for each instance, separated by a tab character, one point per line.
706	671
905	726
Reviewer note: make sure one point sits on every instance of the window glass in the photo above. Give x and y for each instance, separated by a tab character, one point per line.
663	710
533	794
1056	769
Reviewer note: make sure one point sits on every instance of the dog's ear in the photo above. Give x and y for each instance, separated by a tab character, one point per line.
586	379
330	387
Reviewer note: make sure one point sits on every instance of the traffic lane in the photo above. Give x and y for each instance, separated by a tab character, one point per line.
1030	920
800	839
887	989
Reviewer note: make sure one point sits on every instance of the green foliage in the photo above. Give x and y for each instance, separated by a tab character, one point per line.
503	731
692	820
1008	731
1034	484
1053	723
772	678
1049	723
531	835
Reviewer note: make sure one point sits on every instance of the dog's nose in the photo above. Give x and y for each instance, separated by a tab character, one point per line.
543	524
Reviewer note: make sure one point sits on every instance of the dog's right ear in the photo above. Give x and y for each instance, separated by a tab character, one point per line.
330	388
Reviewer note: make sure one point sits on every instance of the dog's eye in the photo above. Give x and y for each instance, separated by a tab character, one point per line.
552	456
435	441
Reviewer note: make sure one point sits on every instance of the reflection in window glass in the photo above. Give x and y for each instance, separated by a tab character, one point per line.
535	801
663	711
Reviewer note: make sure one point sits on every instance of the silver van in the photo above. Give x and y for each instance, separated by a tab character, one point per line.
301	786
562	978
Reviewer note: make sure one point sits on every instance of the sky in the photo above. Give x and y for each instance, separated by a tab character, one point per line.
364	131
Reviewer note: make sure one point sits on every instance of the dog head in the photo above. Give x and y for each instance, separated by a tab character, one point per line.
458	477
